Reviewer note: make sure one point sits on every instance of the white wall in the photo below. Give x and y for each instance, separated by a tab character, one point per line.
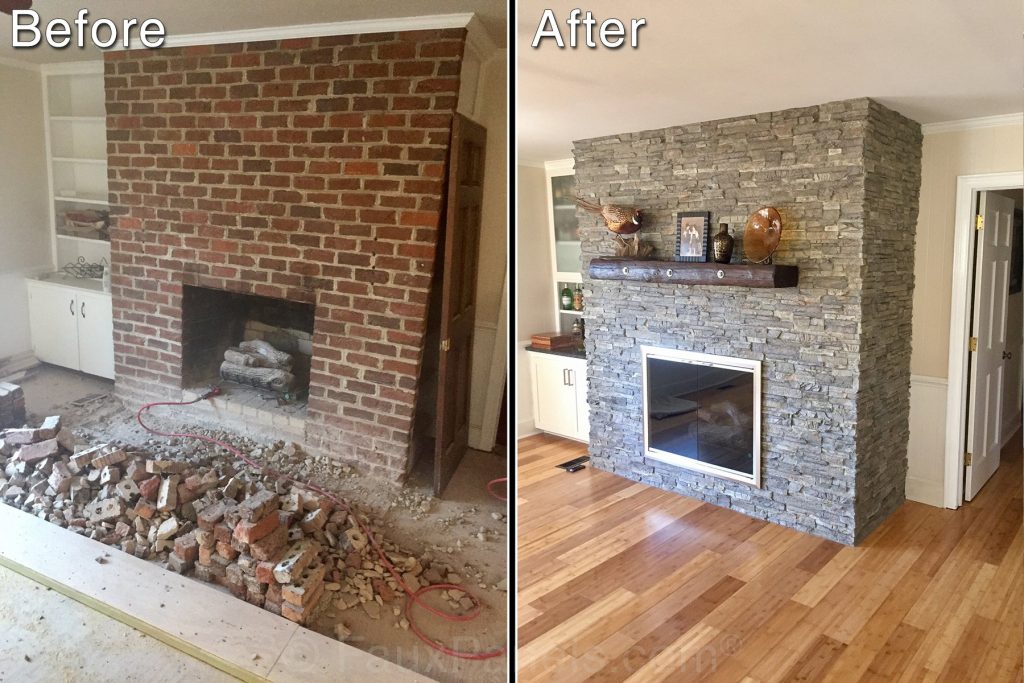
534	305
945	156
491	112
24	212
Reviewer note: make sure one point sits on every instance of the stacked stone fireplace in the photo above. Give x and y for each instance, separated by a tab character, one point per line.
294	185
834	351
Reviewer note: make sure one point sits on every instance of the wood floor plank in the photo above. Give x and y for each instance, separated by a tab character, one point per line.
620	581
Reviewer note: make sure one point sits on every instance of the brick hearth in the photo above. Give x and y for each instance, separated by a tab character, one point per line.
310	170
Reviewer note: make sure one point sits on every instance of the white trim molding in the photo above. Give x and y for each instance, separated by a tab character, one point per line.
339	28
560	166
526	426
18	64
970	124
967	187
925	469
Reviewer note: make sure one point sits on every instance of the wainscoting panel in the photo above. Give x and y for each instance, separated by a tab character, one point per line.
926	450
525	425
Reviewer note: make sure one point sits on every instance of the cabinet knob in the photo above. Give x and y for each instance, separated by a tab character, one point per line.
720	273
668	272
71	307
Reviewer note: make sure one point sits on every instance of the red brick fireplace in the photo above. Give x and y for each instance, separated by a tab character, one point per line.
305	170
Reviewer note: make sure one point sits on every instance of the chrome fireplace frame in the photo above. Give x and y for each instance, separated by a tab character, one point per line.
750	366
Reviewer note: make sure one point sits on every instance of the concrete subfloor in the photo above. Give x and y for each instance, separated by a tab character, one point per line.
464	509
47	386
48	637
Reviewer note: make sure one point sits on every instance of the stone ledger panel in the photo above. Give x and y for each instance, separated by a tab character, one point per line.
835	350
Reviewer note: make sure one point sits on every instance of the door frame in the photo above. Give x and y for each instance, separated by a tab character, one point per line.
967	189
497	374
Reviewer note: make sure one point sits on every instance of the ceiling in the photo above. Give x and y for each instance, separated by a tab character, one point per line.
932	60
183	17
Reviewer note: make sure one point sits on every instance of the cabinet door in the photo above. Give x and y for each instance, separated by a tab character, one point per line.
53	322
96	334
554	397
578	377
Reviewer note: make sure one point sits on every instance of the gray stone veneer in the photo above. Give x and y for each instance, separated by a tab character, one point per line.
835	351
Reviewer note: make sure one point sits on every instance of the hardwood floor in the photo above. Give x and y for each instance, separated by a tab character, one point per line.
619	580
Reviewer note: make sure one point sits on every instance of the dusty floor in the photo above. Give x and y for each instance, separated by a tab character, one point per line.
48	637
466	528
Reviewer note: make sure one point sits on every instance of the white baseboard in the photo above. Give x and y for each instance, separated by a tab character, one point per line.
925	491
525	428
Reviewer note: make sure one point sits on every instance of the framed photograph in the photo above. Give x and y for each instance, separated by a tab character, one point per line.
692	231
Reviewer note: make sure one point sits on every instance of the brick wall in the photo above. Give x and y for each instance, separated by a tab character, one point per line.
835	351
307	169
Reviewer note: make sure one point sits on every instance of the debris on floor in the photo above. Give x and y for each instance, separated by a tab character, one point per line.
12	405
276	545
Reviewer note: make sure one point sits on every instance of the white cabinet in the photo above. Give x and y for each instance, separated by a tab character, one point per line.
72	327
96	334
560	395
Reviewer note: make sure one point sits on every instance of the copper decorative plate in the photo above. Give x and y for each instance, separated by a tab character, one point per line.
762	234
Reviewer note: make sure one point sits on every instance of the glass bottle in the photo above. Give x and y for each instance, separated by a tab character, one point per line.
577	299
566	298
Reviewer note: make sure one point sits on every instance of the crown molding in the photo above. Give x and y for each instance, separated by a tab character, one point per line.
560	166
18	64
81	67
972	124
340	28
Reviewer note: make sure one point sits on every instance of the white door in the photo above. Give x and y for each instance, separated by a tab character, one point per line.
53	322
554	395
985	392
96	334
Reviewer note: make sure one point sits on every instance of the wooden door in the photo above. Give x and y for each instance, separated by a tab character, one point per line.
53	314
988	326
96	334
458	296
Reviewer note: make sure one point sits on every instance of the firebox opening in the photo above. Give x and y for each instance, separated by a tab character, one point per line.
215	322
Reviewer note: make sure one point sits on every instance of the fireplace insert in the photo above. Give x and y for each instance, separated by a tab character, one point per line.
703	412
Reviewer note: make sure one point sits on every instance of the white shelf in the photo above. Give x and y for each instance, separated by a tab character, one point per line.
82	239
79	160
85	199
80	119
76	148
573	312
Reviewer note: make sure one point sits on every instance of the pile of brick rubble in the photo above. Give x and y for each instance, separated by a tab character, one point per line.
276	545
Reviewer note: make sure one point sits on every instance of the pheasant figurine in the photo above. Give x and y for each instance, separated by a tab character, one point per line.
622	220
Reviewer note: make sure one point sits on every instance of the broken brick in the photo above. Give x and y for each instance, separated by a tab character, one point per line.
225	550
37	451
167	499
145	509
271	545
250	532
301	591
166	466
258	506
298	557
186	547
108	455
149	488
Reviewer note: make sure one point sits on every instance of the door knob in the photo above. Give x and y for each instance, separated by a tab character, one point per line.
1007	355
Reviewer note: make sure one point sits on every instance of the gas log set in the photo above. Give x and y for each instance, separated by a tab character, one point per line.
271	543
259	364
